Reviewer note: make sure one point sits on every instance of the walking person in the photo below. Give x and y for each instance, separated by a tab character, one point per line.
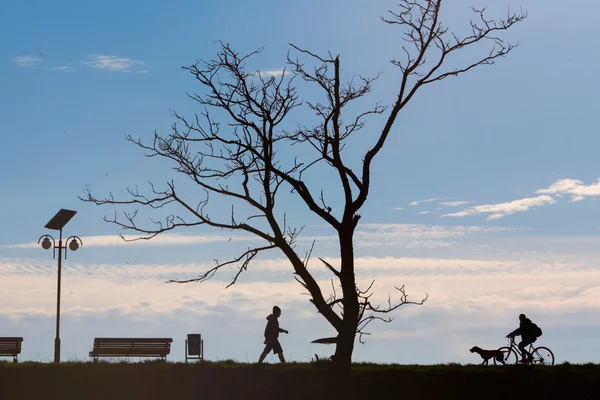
272	331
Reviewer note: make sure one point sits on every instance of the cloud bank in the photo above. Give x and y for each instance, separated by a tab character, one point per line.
160	240
576	188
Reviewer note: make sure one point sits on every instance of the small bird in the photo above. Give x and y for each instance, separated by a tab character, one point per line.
41	55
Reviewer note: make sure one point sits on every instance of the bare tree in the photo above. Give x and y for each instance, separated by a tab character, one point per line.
238	161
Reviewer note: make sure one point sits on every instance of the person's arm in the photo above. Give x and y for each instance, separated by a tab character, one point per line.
283	330
516	332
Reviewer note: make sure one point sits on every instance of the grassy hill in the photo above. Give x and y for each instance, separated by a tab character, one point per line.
229	380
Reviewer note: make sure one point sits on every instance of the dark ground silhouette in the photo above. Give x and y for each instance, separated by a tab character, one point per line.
228	380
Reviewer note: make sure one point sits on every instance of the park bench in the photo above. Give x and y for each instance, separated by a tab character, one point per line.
131	347
10	347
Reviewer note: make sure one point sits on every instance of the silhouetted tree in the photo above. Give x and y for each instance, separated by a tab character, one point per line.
238	159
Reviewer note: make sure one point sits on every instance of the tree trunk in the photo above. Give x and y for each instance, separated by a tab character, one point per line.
345	345
342	360
339	384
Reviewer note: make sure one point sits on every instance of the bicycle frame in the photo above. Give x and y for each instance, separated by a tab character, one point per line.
517	350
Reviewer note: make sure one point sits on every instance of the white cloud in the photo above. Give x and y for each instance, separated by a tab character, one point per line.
398	208
574	187
560	186
114	63
27	60
424	212
96	61
271	72
454	203
416	203
503	209
63	68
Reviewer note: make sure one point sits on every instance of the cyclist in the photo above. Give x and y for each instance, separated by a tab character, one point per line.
528	332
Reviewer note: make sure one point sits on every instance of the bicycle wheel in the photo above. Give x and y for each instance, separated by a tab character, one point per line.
542	356
510	357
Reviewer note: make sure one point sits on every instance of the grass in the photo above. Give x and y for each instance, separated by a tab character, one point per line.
232	380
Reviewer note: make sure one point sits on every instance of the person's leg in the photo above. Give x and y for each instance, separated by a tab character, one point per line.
527	342
524	353
279	351
266	351
262	356
523	346
281	357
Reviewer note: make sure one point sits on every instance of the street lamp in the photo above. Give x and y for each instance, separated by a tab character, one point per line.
57	223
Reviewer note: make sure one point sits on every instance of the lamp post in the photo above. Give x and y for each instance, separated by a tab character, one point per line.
57	223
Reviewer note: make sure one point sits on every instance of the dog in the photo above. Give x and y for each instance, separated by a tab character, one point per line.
487	354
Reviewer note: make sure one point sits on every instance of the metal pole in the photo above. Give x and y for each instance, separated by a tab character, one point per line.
57	340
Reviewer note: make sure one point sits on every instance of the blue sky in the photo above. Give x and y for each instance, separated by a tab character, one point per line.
486	196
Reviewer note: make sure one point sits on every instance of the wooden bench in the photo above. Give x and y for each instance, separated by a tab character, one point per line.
10	347
131	347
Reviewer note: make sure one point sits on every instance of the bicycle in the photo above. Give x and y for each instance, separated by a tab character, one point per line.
540	355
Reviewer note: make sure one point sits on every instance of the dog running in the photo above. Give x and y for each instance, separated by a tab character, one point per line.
487	354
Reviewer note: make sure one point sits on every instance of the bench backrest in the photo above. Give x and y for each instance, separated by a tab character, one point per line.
10	345
137	345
